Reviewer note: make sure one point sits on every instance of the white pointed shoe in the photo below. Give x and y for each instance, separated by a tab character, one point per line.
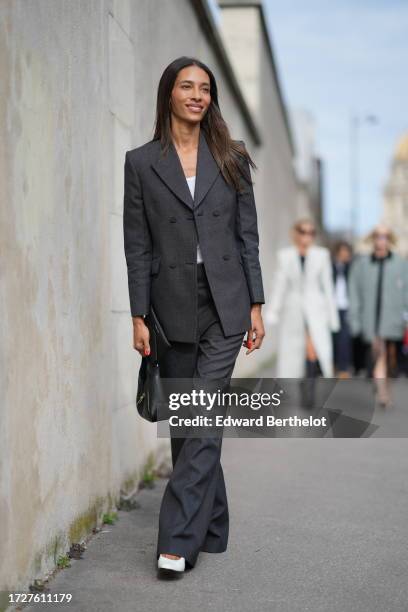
175	565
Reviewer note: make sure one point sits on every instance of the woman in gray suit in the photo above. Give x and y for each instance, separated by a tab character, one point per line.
191	245
379	305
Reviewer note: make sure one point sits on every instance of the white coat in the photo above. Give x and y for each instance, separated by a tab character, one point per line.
298	297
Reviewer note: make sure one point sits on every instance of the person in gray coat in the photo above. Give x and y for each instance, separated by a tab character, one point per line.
191	246
378	292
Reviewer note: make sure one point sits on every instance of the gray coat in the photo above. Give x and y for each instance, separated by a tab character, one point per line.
363	281
161	225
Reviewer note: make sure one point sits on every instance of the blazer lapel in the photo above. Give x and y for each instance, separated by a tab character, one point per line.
297	266
206	172
170	170
309	261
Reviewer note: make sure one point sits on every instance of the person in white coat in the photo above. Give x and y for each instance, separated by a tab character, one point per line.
303	306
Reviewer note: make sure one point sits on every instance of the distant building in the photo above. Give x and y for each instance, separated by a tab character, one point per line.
308	166
396	195
254	105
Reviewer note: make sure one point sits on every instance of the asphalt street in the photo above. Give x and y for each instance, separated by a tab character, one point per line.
315	524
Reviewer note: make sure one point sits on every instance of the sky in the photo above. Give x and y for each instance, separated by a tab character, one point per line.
335	59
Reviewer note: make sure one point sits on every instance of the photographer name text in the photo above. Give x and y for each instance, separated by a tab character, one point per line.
259	421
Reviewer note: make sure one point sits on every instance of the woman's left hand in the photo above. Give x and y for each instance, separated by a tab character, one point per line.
257	329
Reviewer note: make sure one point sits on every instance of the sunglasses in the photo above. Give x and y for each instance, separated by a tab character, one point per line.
304	232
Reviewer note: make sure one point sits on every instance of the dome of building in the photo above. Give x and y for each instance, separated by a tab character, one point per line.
401	151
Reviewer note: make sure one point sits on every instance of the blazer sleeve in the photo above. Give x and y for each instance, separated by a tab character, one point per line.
137	241
247	226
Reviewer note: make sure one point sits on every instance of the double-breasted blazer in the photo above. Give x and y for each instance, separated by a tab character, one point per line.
162	225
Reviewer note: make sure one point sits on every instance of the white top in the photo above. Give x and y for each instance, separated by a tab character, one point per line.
341	291
191	183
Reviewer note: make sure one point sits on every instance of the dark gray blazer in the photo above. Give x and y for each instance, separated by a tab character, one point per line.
162	224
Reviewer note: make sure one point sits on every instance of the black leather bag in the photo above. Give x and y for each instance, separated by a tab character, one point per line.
150	394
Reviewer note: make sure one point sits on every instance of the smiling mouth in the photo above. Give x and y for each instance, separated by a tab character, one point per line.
195	108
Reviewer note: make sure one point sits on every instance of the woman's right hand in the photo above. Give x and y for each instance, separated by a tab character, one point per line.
141	336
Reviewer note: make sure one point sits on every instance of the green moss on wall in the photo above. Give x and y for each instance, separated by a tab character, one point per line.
86	521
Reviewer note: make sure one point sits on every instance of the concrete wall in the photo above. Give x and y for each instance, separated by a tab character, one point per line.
78	89
276	187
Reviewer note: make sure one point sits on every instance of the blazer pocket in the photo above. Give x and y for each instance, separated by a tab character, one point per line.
155	265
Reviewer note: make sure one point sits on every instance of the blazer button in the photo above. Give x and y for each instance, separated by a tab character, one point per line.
172	265
173	219
199	214
216	213
225	256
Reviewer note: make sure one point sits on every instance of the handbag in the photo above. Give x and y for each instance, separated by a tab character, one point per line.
150	393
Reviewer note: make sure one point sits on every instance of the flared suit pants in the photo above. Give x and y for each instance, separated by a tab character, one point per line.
194	510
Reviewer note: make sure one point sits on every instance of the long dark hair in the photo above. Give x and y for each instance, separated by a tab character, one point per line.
225	151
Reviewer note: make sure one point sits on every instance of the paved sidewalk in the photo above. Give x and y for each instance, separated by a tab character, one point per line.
317	525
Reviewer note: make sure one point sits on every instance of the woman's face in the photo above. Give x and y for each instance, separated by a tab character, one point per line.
191	97
381	239
304	235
